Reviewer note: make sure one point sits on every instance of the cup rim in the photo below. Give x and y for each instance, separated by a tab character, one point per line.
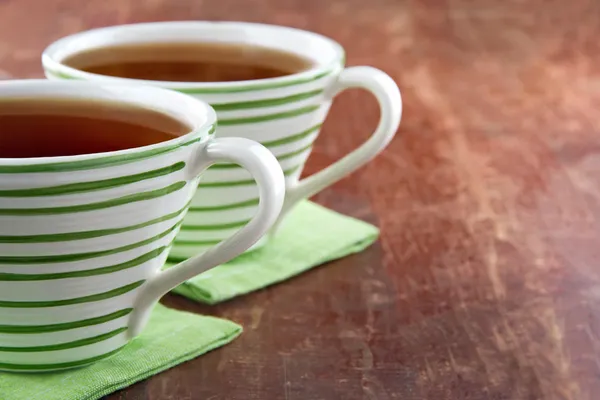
55	66
198	114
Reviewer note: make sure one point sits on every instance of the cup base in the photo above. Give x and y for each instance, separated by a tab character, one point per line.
43	371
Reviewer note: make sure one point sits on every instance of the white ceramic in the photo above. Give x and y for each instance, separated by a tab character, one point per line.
284	114
83	238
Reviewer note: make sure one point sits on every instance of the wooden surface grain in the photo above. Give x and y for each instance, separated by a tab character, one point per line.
486	281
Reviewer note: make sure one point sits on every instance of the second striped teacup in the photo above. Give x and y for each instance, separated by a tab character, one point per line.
284	112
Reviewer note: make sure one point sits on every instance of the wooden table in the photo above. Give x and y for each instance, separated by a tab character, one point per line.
486	281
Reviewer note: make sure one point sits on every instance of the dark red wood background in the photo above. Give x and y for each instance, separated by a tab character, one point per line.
486	281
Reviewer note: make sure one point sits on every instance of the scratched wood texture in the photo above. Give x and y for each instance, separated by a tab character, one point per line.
486	281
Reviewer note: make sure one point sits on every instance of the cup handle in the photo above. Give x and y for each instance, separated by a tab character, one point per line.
388	96
265	169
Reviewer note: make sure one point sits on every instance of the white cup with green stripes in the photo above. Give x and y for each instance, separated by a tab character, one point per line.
283	113
83	238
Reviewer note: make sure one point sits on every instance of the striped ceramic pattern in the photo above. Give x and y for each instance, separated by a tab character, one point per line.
285	118
96	228
283	113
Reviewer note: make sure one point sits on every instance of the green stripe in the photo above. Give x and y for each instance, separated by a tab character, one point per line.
71	364
260	86
196	242
243	105
82	256
268	117
26	329
242	183
78	300
63	237
233	89
91	186
279	158
58	74
98	162
65	346
247	203
5	276
132	198
293	138
214	227
294	153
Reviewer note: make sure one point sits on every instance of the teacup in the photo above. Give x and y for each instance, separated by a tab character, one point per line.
80	264
283	113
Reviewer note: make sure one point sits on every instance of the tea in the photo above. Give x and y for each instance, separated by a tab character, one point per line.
50	127
189	62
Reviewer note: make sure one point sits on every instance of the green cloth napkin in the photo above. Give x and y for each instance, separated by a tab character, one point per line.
311	235
170	338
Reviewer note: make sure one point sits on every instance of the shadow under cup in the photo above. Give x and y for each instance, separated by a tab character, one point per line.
284	114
